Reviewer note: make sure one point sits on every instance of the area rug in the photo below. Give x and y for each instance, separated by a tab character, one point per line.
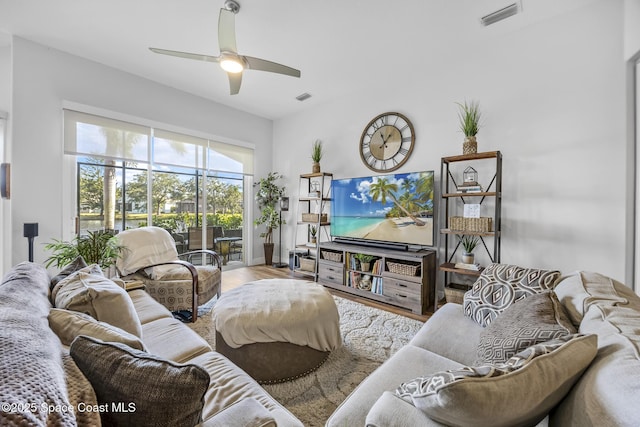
370	336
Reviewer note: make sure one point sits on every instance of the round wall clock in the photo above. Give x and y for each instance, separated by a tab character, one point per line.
387	142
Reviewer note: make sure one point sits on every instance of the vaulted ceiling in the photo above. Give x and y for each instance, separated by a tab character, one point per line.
341	47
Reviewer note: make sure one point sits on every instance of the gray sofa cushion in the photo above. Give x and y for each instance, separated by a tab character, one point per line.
500	285
581	289
607	393
519	392
150	391
536	319
409	362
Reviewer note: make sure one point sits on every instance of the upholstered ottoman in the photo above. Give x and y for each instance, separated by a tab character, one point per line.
277	330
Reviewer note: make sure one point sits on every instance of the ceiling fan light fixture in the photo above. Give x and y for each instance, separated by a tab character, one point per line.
231	65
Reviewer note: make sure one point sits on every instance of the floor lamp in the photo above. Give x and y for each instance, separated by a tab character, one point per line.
284	207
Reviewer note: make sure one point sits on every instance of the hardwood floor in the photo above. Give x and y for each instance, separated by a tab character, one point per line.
236	277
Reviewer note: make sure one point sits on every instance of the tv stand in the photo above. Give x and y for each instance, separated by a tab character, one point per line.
397	277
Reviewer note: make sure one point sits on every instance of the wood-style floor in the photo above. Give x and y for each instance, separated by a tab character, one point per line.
236	277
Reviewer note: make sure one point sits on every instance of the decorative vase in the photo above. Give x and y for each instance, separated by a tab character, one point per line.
315	167
470	145
468	258
268	253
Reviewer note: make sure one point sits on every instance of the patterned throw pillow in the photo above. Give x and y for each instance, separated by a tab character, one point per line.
140	389
500	285
536	319
519	392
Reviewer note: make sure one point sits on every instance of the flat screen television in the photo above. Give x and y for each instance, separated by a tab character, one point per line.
395	208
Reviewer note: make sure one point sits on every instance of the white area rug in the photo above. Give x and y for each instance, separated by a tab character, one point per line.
370	336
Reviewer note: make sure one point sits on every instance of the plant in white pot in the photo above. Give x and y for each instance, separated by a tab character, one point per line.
468	243
267	197
469	117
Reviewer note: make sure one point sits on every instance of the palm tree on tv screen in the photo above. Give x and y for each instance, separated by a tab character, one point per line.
382	189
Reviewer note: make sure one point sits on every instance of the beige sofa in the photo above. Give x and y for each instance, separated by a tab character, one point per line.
607	393
41	385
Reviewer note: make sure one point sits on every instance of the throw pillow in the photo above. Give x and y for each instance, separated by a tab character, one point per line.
500	285
536	319
147	390
68	324
77	264
519	392
99	297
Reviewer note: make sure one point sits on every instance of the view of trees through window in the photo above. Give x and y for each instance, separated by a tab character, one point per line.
112	195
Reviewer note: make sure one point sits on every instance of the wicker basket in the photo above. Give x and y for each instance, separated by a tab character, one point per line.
403	269
482	224
311	217
307	264
454	292
332	256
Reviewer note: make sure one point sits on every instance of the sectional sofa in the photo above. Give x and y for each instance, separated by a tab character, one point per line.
134	365
527	347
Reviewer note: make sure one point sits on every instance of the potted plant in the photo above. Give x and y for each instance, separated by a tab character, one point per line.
365	261
469	117
468	243
267	197
316	155
313	230
97	247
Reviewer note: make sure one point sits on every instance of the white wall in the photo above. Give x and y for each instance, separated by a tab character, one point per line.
553	98
5	108
43	79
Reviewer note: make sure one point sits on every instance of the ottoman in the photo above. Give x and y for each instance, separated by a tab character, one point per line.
277	330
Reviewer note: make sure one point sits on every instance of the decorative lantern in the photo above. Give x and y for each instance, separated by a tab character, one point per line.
470	176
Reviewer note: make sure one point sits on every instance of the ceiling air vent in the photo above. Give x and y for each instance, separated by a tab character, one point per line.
501	14
303	97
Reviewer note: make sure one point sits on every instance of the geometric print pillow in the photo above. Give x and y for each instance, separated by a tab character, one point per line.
500	285
536	319
519	392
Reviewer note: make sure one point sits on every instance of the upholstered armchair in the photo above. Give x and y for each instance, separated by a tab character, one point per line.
150	255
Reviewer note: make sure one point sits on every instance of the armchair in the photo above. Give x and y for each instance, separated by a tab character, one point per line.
150	255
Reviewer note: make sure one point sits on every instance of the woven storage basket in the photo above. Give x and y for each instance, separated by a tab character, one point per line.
307	264
454	292
332	256
404	269
470	224
311	217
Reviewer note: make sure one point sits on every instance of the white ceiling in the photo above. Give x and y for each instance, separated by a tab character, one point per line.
341	47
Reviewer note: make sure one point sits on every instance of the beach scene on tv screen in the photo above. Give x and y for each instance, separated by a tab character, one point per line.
388	208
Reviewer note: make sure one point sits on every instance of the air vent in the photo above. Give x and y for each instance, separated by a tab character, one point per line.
501	14
303	97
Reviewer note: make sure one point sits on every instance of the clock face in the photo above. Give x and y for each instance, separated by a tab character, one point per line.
387	142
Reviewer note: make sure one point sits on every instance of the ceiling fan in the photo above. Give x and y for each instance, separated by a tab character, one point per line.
229	59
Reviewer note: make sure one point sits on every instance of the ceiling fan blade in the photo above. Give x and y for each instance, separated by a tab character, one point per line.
187	55
273	67
227	31
235	79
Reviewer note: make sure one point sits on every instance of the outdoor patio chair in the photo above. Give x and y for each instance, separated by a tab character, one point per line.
150	255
